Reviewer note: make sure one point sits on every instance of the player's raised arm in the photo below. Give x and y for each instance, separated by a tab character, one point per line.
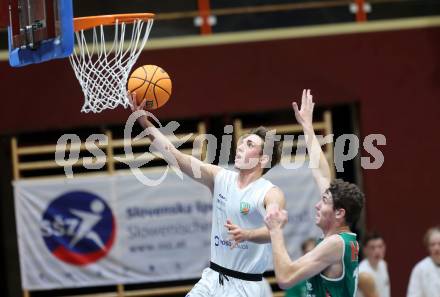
171	154
304	116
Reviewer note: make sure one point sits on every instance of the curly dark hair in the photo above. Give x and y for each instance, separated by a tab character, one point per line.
349	197
268	138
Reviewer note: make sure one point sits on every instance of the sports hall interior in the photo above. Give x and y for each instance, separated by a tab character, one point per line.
377	73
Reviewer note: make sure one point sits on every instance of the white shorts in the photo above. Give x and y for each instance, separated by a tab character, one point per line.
209	286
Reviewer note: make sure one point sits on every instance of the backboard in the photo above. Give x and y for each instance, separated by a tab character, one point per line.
39	30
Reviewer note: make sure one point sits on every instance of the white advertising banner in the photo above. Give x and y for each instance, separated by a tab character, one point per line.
104	230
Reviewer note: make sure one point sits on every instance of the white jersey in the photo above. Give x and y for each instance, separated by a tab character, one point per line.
245	208
380	276
425	279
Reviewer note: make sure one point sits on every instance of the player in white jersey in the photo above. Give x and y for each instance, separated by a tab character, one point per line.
239	237
374	280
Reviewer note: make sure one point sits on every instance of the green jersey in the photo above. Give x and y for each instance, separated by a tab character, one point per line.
344	286
298	290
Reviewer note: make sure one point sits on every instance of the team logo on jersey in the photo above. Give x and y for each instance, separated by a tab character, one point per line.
78	228
244	207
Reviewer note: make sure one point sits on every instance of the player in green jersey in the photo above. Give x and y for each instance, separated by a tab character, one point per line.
331	268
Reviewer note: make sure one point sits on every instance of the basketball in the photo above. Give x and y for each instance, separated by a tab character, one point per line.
150	83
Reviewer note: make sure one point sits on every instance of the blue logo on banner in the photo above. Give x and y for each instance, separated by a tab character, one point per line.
78	228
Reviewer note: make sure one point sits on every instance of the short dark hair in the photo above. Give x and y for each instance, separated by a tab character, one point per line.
268	137
371	236
349	197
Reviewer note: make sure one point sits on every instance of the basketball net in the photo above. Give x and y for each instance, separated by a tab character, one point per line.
102	67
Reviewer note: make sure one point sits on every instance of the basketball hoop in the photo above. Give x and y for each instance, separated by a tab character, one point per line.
101	65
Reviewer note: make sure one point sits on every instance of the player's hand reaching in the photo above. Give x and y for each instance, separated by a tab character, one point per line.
133	102
143	120
275	218
236	233
304	115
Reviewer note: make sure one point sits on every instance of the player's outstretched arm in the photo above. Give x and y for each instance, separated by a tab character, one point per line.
288	272
171	154
304	116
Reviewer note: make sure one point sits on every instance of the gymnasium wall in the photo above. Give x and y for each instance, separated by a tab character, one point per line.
393	76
